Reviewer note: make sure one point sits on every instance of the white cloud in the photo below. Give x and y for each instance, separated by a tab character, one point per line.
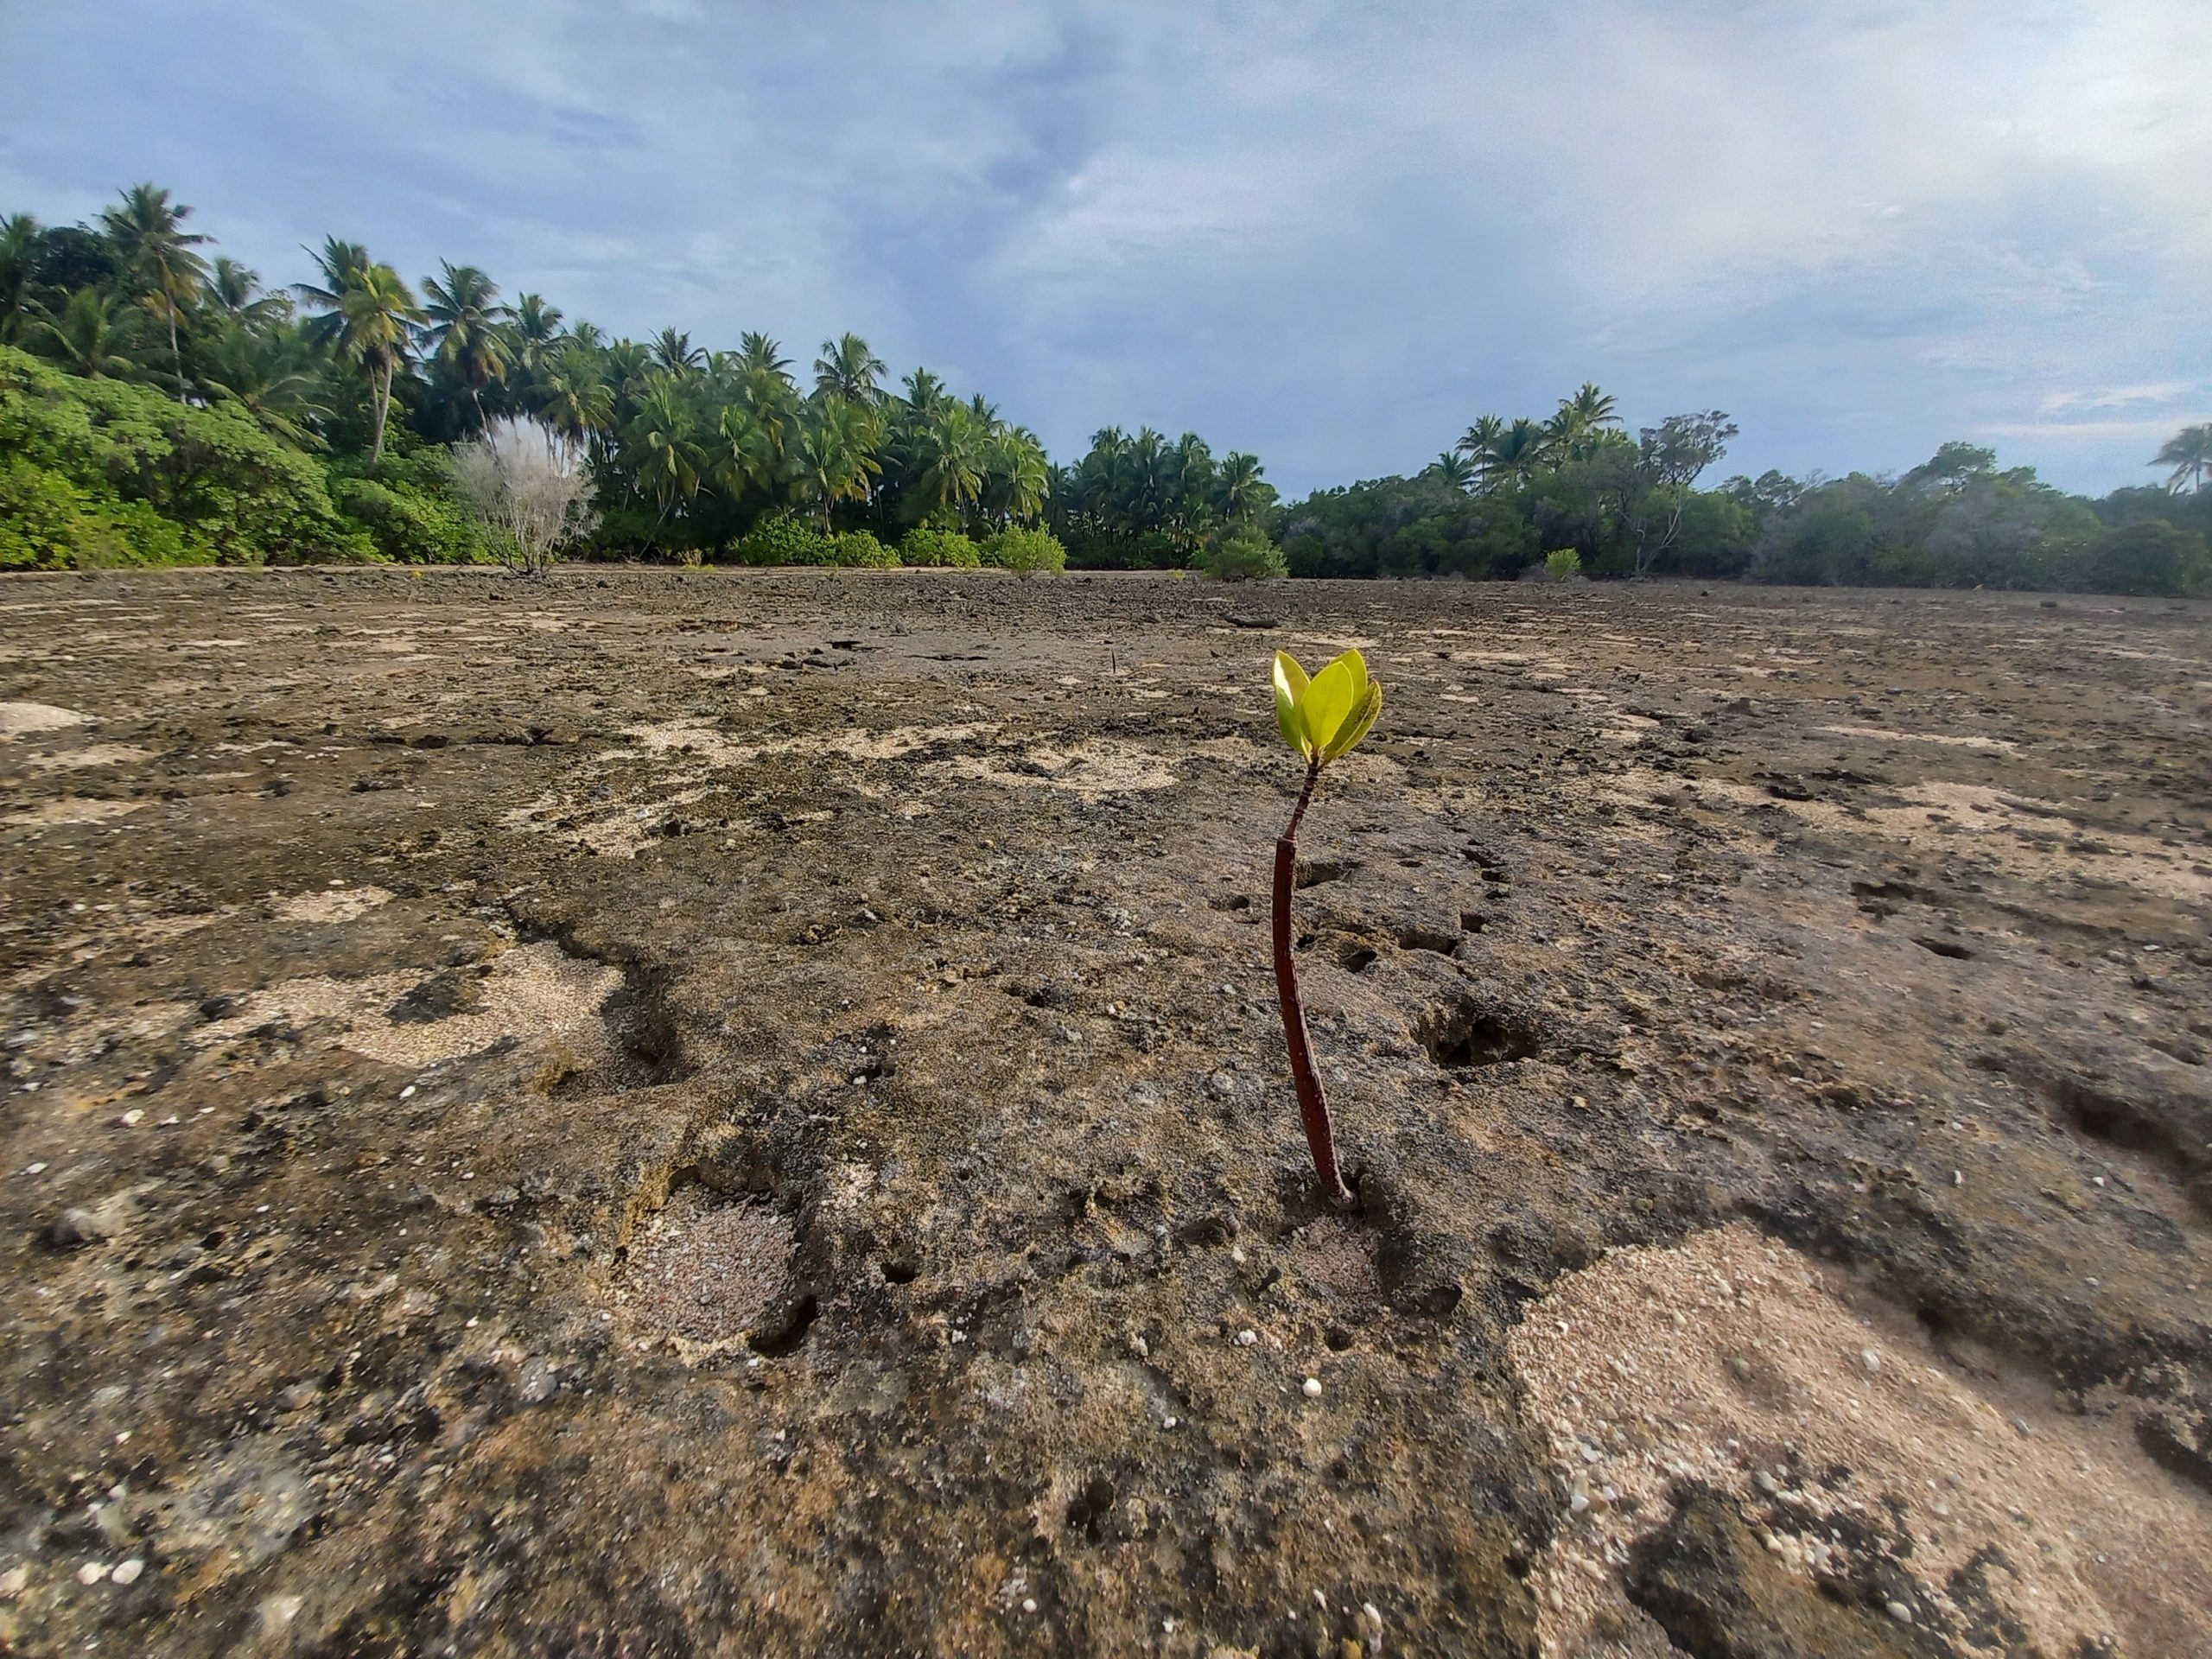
1333	232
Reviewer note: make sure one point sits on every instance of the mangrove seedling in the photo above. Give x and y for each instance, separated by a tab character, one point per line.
1321	718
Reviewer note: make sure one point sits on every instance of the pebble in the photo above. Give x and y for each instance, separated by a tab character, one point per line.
133	1118
1236	1254
1312	1387
1870	1359
128	1572
1029	1604
91	1572
1247	1336
1899	1611
1579	1502
14	1581
539	1382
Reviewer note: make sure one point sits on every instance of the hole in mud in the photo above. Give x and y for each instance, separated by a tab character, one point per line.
1338	1339
1229	901
784	1334
1086	1511
1473	921
1357	958
1313	873
1464	1035
1950	948
705	1268
898	1271
1429	939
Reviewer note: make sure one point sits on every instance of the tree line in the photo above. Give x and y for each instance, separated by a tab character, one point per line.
159	404
1516	498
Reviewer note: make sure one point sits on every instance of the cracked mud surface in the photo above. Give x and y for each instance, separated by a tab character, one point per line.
697	1114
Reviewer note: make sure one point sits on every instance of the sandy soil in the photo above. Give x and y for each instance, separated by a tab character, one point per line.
658	1113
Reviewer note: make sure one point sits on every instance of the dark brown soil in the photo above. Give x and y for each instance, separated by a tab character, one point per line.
379	953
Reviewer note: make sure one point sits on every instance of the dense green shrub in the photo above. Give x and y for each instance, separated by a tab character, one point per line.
926	544
1562	564
1025	550
781	539
408	524
2148	556
858	549
152	479
1244	555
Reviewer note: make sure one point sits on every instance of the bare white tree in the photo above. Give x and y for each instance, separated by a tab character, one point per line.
531	495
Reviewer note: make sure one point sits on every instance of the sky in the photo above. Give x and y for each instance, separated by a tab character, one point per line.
1331	233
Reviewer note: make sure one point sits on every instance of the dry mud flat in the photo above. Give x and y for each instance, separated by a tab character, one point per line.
662	1114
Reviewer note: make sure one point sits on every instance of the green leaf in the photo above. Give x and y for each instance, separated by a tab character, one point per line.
1335	692
1361	723
1290	695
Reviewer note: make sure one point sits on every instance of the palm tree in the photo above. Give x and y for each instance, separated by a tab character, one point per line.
533	334
954	451
270	374
744	454
757	353
1019	473
2188	452
22	242
1476	441
835	456
665	447
1593	409
1516	453
467	331
157	255
926	393
676	354
368	314
92	336
572	400
1453	468
589	335
847	369
234	290
1239	485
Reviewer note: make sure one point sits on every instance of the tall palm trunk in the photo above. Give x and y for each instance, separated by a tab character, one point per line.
381	396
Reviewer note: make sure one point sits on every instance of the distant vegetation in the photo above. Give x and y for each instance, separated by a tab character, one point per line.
1510	495
159	405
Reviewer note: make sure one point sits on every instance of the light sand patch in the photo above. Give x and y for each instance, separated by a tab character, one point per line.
621	831
1090	770
695	739
536	994
1737	1363
21	719
330	904
2029	840
2005	744
70	808
92	754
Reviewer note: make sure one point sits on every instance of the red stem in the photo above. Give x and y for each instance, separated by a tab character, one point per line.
1312	1105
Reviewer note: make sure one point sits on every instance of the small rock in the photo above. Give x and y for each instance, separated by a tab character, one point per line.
1310	1387
540	1381
1029	1604
77	1227
1899	1611
14	1581
1870	1359
128	1572
91	1572
1247	1336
